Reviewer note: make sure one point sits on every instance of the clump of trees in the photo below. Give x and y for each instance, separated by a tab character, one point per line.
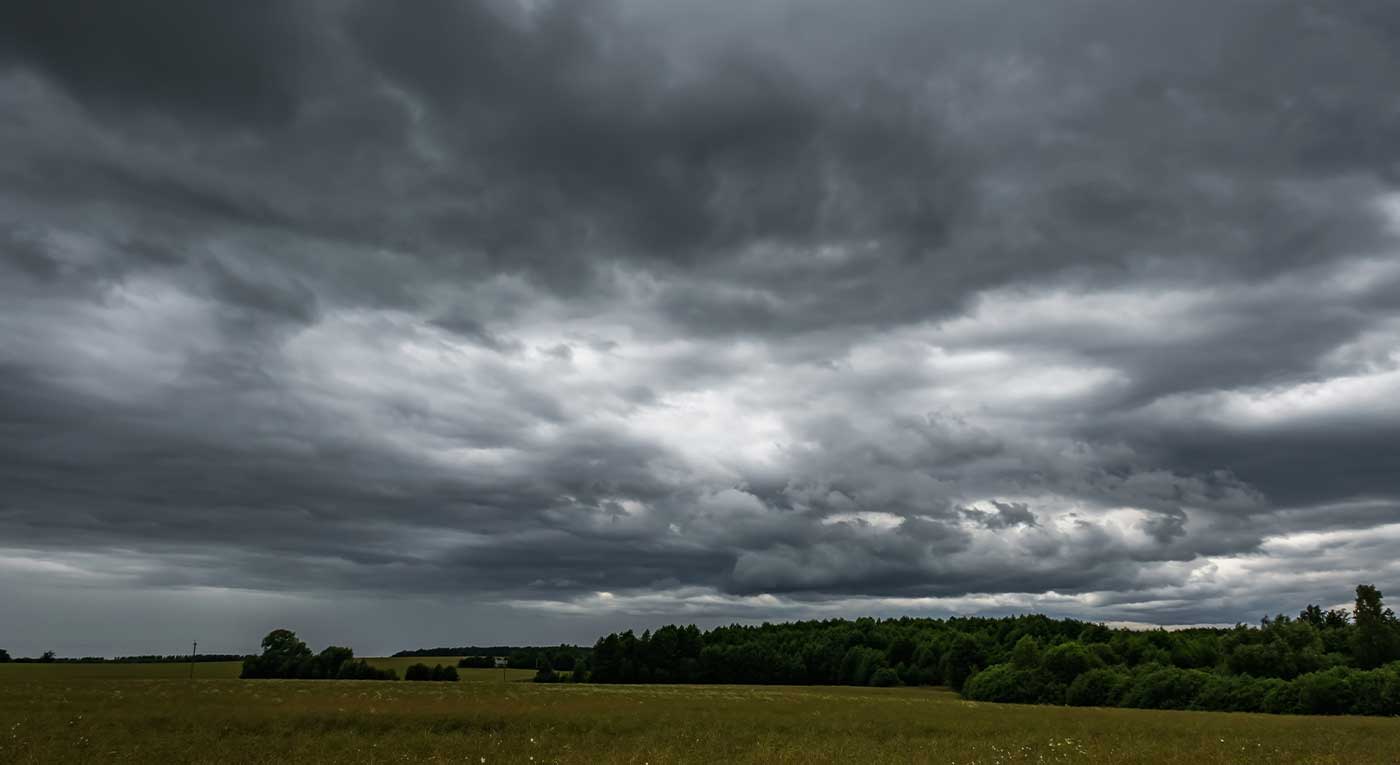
1321	662
477	662
437	673
48	657
286	656
544	672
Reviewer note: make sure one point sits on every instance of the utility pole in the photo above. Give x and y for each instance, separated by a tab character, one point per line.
194	649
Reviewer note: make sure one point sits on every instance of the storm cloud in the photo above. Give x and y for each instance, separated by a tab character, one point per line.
548	317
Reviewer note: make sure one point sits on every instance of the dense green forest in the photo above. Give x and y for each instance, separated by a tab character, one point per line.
1321	662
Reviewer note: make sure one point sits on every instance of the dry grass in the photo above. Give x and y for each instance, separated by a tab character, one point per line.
60	713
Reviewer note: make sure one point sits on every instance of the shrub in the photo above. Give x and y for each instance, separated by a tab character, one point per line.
885	677
544	671
1009	684
1235	693
1325	693
1390	693
437	672
361	670
1166	688
1368	690
1097	688
1282	699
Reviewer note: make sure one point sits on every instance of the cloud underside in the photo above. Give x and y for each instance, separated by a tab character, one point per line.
625	308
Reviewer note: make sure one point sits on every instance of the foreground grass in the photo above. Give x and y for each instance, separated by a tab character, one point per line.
61	718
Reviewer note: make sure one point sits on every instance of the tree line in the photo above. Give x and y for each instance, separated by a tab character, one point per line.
1322	661
49	657
562	657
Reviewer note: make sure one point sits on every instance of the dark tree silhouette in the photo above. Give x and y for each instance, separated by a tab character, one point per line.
544	671
1376	639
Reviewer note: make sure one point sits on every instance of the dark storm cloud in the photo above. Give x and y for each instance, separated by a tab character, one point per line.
619	307
230	62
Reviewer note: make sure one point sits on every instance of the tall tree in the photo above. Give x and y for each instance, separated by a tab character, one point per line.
1376	638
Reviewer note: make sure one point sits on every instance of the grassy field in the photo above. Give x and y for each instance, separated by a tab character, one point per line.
148	713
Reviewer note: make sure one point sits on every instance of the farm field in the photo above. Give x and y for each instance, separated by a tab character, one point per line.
57	713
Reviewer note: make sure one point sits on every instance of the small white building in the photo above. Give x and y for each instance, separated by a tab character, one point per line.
501	662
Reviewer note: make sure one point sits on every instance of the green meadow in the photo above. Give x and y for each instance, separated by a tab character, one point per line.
154	713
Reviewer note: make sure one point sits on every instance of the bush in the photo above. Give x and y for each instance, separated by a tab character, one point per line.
435	673
1167	688
885	677
477	662
1234	693
1097	688
1008	684
1325	693
1282	699
544	671
1390	694
1368	690
361	670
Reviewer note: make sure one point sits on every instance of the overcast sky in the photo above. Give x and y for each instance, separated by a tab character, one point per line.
467	322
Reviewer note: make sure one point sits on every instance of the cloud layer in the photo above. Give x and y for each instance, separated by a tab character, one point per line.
637	312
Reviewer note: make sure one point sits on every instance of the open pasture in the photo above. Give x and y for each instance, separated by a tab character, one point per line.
56	713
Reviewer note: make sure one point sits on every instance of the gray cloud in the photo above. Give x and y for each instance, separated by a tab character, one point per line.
597	312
